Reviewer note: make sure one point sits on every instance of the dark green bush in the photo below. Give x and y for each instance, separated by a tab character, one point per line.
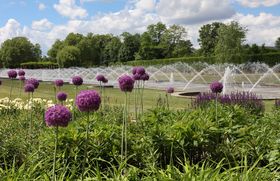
39	65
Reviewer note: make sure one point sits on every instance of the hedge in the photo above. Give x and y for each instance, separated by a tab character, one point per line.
39	65
268	58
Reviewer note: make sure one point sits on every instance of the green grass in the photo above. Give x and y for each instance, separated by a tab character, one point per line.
115	96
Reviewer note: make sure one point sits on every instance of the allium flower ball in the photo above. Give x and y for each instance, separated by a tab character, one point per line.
22	78
100	78
145	77
77	80
33	81
88	100
105	81
21	73
29	88
136	77
126	83
57	115
134	70
140	70
170	90
61	96
12	74
216	87
59	82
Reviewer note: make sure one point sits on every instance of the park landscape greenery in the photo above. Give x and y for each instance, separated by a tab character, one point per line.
205	140
219	43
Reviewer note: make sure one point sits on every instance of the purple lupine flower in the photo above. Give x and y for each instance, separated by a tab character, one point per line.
140	70
134	70
33	81
77	80
126	83
29	88
100	78
61	96
59	82
22	78
21	73
12	74
57	115
136	77
145	77
170	90
216	87
88	100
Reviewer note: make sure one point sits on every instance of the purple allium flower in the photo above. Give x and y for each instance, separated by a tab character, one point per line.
134	70
22	78
100	78
126	83
170	90
59	82
88	100
21	73
12	74
57	115
105	81
145	77
33	81
140	70
29	88
61	96
216	87
136	76
77	80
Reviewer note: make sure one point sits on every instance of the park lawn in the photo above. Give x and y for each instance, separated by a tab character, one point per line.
114	96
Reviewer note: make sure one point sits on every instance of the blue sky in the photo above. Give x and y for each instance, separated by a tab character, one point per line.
44	21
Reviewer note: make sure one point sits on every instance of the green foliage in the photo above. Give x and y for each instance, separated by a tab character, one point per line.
229	43
208	38
162	145
38	65
277	43
18	50
69	56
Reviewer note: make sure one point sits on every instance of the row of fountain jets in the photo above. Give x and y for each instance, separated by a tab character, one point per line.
183	76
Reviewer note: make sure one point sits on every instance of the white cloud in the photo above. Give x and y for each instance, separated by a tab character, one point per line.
68	8
41	6
10	29
194	11
43	24
262	28
257	3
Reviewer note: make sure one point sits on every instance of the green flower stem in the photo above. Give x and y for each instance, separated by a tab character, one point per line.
54	91
167	102
126	115
55	148
216	101
86	146
142	96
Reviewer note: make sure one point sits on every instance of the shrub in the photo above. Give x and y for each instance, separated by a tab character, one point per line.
248	100
38	65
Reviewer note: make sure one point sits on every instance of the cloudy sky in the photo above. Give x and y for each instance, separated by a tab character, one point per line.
44	21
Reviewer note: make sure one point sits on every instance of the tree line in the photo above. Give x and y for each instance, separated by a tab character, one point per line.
225	42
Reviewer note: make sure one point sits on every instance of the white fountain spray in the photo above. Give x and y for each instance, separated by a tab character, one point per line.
226	79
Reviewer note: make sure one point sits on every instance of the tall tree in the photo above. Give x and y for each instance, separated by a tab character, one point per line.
69	56
111	50
56	47
277	43
208	37
230	40
130	46
17	50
